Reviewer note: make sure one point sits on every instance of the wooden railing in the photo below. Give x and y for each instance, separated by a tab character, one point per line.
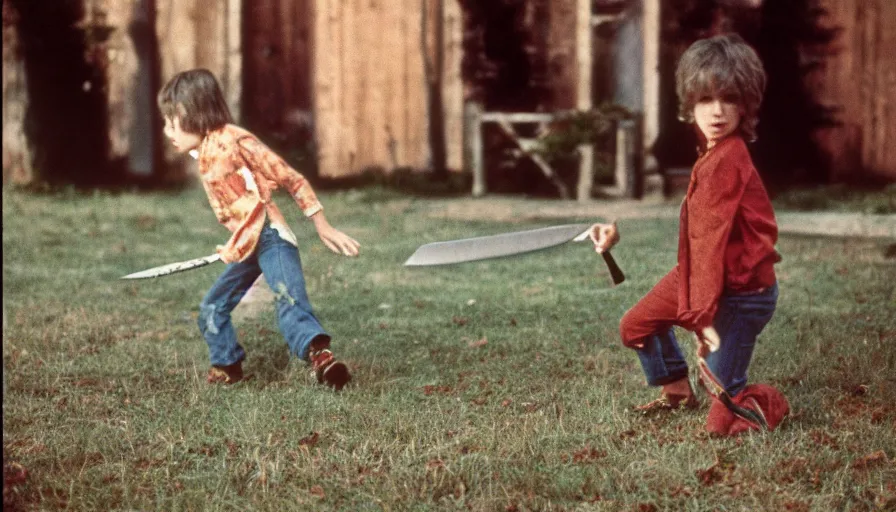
627	162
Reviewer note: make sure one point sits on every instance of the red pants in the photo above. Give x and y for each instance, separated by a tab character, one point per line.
655	312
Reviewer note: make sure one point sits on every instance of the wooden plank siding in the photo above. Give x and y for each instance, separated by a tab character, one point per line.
859	80
277	50
17	164
370	88
200	33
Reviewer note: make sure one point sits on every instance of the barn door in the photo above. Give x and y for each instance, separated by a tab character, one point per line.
277	53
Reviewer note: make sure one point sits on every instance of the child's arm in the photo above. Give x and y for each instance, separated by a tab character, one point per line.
335	240
267	163
264	161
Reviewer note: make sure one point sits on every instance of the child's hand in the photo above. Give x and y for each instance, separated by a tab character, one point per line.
339	242
604	236
707	341
335	240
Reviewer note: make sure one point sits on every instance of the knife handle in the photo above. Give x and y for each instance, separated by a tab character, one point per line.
615	272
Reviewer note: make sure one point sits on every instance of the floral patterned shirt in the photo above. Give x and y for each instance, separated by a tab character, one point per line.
239	173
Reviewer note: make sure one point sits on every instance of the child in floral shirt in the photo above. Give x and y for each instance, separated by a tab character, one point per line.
724	287
239	173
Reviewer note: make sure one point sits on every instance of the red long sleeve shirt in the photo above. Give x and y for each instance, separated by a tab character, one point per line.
727	233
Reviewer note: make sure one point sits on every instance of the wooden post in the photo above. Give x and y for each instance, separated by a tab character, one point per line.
473	131
142	129
625	157
233	56
651	120
584	49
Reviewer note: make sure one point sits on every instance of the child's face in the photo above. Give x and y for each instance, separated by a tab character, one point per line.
181	140
717	117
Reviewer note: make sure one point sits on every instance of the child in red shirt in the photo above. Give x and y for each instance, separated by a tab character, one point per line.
724	287
239	173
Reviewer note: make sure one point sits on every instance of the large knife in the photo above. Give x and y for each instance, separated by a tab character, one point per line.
172	268
506	244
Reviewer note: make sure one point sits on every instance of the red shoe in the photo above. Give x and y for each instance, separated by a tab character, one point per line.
327	369
229	374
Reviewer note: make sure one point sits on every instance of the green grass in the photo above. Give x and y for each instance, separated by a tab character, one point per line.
870	200
497	385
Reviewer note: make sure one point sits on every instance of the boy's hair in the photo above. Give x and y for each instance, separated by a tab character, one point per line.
195	98
724	66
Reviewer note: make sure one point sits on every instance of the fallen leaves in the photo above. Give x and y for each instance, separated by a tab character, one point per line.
430	390
310	440
459	321
14	474
146	222
720	471
791	470
232	447
871	460
317	491
821	438
478	343
586	455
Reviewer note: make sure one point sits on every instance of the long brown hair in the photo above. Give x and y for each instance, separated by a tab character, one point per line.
721	66
195	98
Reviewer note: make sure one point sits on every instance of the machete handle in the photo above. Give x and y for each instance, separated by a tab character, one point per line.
615	272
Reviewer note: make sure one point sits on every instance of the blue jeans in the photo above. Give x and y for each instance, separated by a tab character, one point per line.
279	261
739	321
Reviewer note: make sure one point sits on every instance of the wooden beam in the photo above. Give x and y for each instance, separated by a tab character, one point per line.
233	56
651	125
473	117
518	117
584	31
507	128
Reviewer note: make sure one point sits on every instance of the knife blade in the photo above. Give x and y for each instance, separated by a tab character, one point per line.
172	268
504	244
493	246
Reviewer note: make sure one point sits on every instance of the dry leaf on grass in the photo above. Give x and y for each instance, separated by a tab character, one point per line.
478	343
872	459
310	440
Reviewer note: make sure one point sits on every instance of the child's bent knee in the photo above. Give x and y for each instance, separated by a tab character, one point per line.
626	328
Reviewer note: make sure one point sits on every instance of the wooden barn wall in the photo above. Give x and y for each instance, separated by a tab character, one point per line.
125	59
277	53
859	79
561	49
369	87
17	166
201	33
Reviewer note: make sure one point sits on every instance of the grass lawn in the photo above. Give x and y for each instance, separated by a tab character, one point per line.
496	385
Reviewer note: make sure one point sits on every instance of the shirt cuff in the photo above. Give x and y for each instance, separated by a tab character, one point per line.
311	210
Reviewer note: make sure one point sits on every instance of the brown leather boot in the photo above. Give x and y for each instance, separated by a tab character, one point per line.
229	374
327	369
